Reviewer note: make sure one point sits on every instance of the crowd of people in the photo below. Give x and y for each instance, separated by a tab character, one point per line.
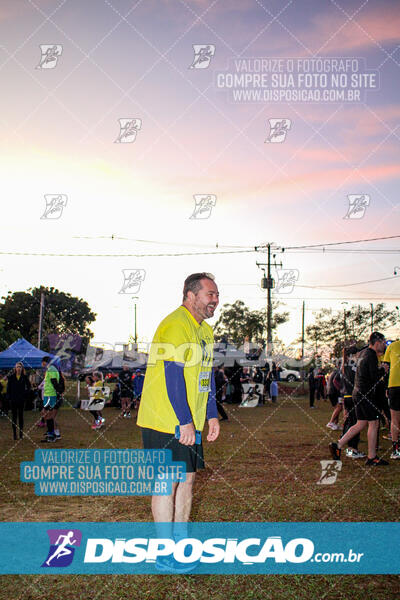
366	389
44	390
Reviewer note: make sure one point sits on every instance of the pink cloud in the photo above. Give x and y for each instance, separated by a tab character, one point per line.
332	178
368	29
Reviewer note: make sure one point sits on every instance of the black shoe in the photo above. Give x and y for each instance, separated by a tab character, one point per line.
376	462
335	451
48	439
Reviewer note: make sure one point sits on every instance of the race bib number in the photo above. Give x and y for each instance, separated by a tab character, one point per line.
205	381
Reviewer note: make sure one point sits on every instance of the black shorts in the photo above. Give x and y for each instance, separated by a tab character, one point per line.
366	410
192	456
394	398
334	399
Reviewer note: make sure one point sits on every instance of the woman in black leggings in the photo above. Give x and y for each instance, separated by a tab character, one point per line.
18	388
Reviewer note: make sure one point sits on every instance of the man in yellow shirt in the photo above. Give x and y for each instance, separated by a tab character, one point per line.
179	391
392	356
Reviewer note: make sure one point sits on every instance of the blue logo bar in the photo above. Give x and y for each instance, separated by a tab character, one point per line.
200	548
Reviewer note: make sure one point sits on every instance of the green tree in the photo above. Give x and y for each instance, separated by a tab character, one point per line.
62	314
237	323
350	326
7	337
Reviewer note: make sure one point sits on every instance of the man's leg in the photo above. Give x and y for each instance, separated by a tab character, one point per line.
14	413
162	507
335	414
183	498
372	437
21	419
354	430
395	425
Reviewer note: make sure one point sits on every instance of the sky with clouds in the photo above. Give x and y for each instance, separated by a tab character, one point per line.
124	59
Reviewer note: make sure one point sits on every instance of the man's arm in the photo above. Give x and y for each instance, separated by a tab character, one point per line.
176	390
212	412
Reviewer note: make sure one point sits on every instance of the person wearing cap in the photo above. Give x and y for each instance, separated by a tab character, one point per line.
365	399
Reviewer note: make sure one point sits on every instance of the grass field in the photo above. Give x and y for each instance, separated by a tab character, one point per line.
264	467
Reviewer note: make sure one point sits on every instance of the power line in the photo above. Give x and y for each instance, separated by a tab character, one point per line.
115	237
340	251
126	255
389	237
340	285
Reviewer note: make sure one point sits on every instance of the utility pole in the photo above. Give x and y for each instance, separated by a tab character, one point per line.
40	319
302	330
267	283
269	305
372	317
134	299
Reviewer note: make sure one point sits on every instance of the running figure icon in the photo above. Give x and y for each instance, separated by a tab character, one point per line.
62	550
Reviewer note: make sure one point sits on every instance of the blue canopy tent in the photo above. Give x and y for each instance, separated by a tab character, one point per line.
22	351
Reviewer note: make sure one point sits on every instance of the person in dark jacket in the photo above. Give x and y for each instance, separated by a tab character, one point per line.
347	376
125	381
18	389
311	387
220	382
367	409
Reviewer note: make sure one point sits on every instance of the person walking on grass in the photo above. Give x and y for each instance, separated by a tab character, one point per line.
125	380
18	388
50	390
273	390
311	387
335	398
347	376
365	400
392	358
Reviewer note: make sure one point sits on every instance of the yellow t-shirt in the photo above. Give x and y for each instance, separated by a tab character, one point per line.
98	394
392	356
179	338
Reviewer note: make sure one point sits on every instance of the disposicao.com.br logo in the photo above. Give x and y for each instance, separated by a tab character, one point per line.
200	547
247	551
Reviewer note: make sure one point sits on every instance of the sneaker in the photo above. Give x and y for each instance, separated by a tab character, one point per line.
95	426
387	436
168	564
329	425
376	462
353	453
102	419
128	415
335	451
395	454
48	439
313	407
336	427
124	415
